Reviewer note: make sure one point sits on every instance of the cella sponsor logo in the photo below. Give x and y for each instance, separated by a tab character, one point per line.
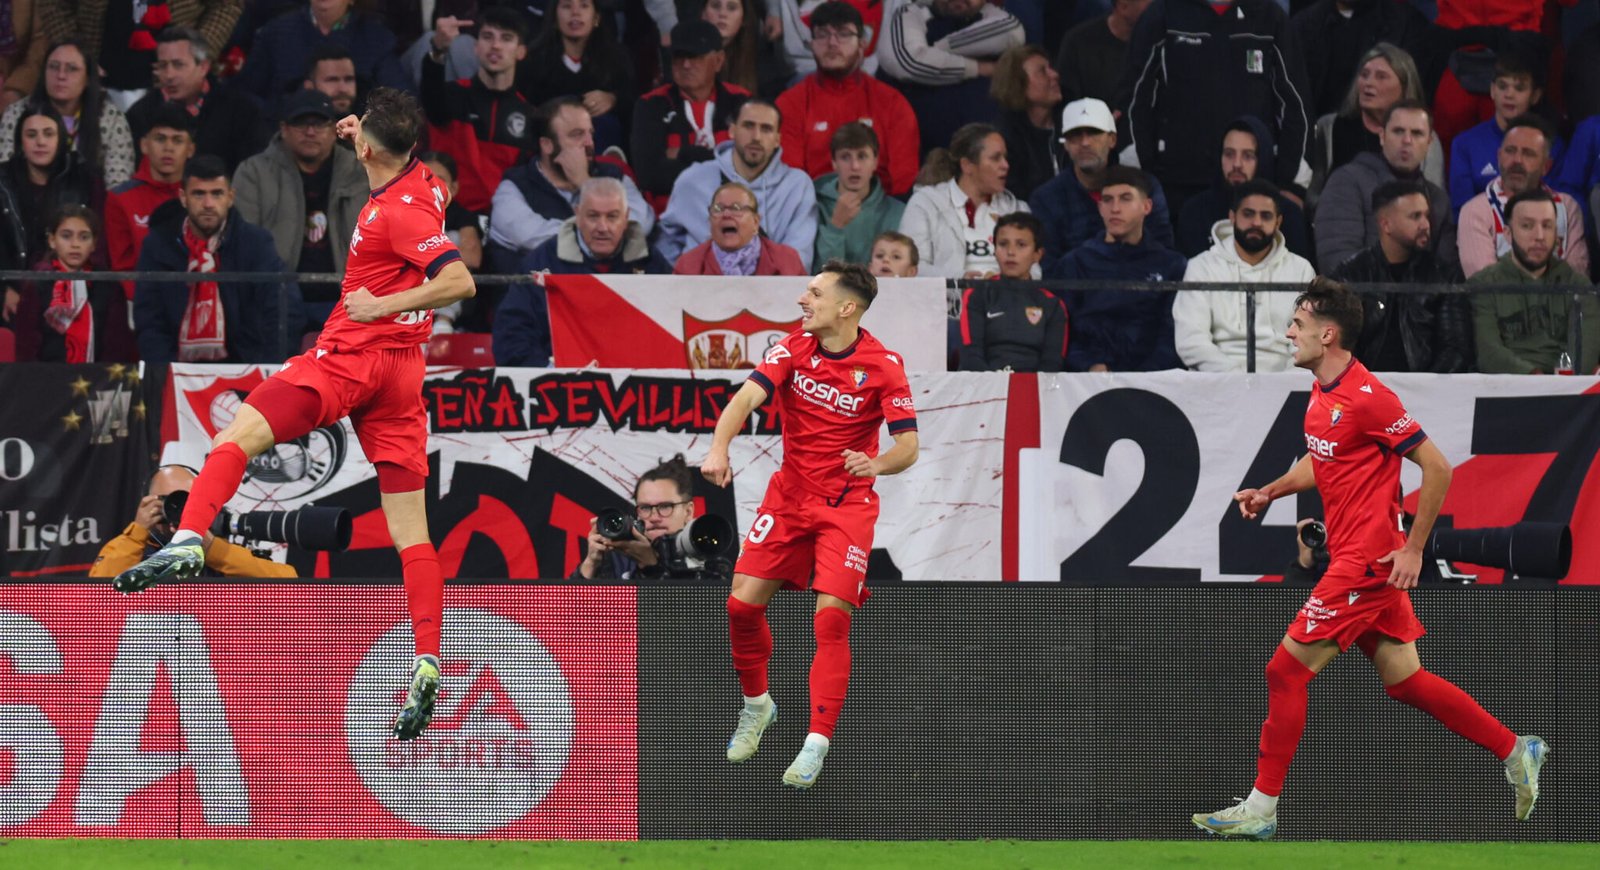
501	734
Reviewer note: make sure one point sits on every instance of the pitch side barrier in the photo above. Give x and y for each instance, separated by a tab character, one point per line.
217	708
286	346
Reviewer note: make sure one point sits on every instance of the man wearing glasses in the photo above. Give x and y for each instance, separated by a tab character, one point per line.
663	502
736	246
838	93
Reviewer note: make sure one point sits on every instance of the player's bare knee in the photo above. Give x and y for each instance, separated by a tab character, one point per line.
248	429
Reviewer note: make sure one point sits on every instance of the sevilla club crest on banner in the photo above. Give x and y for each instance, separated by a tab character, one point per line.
737	342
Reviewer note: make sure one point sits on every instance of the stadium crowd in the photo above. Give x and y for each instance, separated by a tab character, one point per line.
1231	141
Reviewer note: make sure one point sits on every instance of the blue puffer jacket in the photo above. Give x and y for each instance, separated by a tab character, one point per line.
250	308
1125	331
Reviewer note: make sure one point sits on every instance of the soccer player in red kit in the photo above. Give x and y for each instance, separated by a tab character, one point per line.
1356	431
367	365
834	385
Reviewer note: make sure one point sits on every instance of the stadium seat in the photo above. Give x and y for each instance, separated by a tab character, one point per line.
465	349
8	345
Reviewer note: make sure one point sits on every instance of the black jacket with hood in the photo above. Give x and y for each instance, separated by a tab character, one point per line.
1202	211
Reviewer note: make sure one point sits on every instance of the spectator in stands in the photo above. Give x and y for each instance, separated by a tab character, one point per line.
576	54
1247	150
167	145
754	61
599	237
894	255
797	29
206	321
838	93
283	48
1524	160
679	124
1068	204
1184	83
484	123
23	60
150	531
308	195
461	227
736	246
1408	332
227	124
72	321
941	54
1028	91
44	175
1012	324
535	197
119	37
99	131
1579	170
852	208
1093	53
1211	329
1522	333
332	72
1113	330
752	158
1386	76
1332	35
1344	226
1474	153
952	219
459	57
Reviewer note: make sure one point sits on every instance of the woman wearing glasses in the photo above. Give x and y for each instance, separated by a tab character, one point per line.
736	246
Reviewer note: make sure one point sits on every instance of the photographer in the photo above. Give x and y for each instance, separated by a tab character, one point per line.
151	529
1311	560
663	505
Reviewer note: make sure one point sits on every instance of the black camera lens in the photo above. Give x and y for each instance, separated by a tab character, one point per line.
616	525
172	506
1314	535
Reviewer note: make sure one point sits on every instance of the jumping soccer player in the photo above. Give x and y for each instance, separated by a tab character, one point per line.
367	365
835	385
1356	432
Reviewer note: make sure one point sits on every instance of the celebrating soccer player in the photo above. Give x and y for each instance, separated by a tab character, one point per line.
367	365
834	385
1356	431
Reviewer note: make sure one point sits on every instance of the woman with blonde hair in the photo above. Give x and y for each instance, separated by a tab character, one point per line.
1385	75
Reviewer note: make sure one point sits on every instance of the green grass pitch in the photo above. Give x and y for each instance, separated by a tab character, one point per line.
744	854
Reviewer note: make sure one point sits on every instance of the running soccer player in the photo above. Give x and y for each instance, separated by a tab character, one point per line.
367	365
1356	431
834	385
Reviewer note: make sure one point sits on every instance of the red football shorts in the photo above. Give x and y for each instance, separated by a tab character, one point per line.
1344	605
798	536
380	390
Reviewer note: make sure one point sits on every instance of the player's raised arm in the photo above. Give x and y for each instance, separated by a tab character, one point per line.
1299	479
744	403
1436	473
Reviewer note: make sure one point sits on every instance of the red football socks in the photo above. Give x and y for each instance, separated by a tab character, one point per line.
1455	709
218	480
830	669
750	637
419	566
1287	695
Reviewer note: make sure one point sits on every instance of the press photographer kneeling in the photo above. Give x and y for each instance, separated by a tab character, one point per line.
662	539
151	527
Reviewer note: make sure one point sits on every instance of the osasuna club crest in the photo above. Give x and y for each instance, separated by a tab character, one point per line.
859	375
1336	415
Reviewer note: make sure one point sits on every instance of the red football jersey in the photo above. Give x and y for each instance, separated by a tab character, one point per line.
1356	432
833	402
398	243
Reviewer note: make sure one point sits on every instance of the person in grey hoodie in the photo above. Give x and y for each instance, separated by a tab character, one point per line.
1344	224
852	208
752	157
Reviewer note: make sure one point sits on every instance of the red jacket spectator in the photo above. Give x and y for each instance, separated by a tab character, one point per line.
814	109
775	259
127	216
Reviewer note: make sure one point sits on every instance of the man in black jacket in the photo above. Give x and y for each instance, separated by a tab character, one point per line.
1248	151
1191	70
207	321
1408	332
228	123
1332	35
679	123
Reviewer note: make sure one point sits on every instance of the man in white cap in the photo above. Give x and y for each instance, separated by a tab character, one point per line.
1069	204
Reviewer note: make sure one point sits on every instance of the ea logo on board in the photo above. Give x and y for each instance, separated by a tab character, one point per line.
501	731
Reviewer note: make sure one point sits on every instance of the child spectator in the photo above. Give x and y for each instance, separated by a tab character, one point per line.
1012	324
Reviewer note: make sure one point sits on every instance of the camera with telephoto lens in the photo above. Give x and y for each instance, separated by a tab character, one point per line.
1314	535
309	528
699	550
615	524
1541	550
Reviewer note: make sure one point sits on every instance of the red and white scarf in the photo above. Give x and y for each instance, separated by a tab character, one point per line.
69	314
203	337
1502	233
